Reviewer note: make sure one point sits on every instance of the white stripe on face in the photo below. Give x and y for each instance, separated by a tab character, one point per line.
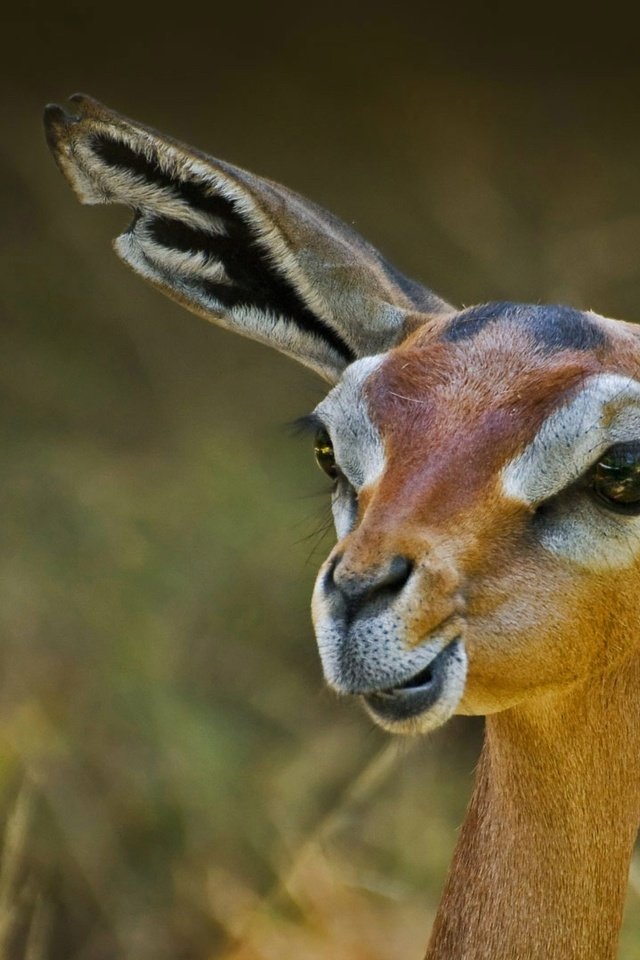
573	438
604	412
357	444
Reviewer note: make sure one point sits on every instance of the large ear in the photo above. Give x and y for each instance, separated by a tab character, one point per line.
241	251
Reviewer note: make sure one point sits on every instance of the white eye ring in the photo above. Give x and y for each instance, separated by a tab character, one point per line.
344	506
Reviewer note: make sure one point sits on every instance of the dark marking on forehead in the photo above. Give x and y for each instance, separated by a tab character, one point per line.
551	327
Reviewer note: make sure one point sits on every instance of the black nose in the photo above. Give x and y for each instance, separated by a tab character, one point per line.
359	588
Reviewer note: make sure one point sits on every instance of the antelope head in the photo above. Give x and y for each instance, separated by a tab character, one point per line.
485	462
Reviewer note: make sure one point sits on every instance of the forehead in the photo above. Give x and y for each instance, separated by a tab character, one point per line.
487	375
474	386
503	367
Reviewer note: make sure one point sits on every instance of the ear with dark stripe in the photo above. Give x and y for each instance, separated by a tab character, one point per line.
241	251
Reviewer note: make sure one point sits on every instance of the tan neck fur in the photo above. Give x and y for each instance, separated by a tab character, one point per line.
540	869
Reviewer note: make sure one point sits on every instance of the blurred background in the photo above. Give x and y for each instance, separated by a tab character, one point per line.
175	782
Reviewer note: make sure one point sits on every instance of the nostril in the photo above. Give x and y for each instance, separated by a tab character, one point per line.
397	573
329	575
357	585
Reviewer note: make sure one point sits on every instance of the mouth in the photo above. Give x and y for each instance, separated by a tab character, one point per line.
425	700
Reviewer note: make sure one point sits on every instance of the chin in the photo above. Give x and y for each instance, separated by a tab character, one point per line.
427	700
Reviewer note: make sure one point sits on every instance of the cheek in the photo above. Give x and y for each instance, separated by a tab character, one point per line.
530	631
590	537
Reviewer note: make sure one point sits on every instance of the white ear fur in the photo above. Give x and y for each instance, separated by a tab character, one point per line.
241	251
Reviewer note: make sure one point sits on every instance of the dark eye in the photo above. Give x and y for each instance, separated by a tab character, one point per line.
323	449
616	477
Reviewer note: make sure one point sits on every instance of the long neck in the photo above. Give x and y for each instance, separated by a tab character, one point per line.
540	869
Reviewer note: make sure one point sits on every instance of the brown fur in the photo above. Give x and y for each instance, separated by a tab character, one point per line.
540	870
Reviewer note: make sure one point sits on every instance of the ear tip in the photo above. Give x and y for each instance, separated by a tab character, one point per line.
85	101
57	117
83	107
53	115
56	122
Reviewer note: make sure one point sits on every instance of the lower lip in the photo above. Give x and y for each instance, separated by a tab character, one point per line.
406	702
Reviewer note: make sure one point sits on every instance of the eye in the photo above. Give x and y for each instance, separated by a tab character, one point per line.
615	478
325	458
